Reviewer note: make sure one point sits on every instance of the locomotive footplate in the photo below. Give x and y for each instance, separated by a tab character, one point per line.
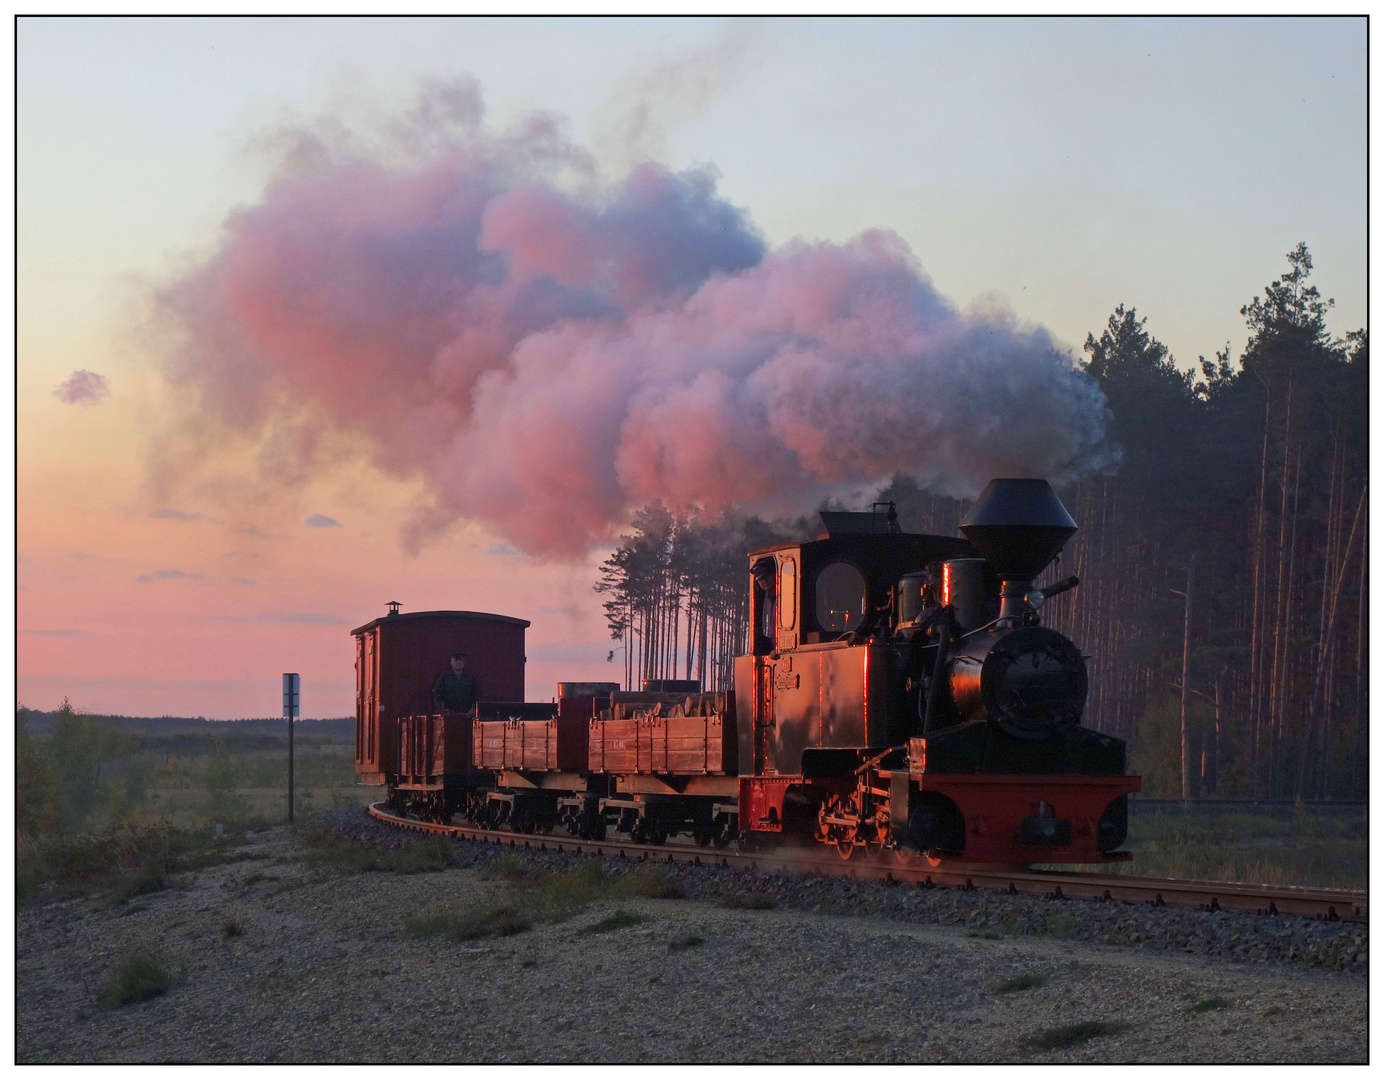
1013	818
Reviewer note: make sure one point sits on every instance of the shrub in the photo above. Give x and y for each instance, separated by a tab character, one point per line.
1060	925
347	857
231	928
467	923
139	976
752	901
1209	1003
1027	981
685	942
617	921
1059	1037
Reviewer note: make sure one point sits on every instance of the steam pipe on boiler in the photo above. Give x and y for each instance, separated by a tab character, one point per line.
943	626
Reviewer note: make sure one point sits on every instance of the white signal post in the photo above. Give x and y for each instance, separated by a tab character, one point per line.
291	699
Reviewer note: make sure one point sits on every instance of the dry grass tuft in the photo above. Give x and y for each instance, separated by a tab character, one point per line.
139	976
1027	981
1059	1038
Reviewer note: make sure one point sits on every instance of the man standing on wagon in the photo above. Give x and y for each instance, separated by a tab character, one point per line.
457	690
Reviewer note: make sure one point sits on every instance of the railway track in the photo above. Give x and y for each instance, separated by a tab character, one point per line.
1334	904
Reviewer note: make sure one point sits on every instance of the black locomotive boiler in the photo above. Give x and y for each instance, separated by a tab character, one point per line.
899	692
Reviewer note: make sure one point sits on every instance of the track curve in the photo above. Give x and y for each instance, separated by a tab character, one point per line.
1347	905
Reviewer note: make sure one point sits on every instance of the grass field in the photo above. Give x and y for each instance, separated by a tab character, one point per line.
1308	847
235	785
92	777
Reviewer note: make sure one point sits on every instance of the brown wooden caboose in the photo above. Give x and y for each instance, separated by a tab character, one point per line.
398	659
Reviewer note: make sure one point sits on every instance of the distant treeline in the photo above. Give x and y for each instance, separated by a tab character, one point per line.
41	723
1257	470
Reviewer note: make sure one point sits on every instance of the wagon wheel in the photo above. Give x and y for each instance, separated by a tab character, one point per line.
827	833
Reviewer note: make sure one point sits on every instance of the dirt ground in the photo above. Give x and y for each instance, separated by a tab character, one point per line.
322	970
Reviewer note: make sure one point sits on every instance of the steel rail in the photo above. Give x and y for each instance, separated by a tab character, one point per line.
1347	905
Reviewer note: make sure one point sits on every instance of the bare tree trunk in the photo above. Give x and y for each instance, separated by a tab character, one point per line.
1288	591
1275	673
1256	648
1186	658
1331	625
1360	660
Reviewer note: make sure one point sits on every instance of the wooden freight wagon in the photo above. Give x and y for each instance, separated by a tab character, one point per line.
398	659
515	735
689	745
431	748
664	733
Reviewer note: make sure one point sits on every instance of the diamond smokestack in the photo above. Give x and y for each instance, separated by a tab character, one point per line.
1018	526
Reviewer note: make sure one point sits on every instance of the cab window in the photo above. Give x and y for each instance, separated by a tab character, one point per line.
788	594
840	590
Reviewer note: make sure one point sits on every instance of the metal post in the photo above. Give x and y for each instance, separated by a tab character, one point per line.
291	697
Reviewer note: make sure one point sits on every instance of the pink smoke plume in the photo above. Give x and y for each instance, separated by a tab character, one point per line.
550	352
82	388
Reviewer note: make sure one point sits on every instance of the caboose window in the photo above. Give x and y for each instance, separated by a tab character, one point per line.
840	597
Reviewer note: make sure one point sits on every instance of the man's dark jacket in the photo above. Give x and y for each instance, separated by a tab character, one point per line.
456	692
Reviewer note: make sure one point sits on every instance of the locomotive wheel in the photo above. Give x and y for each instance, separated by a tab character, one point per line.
845	848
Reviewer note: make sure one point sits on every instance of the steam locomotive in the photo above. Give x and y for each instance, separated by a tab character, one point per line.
899	693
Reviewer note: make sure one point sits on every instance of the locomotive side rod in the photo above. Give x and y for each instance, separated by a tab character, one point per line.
1347	905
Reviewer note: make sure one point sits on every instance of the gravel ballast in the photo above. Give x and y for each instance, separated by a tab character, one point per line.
813	969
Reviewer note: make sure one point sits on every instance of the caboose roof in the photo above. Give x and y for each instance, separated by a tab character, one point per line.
469	616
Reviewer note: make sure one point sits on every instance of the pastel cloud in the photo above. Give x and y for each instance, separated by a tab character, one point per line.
82	388
168	575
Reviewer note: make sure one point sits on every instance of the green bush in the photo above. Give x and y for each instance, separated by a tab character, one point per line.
139	976
325	853
619	920
1027	981
685	942
1060	1037
124	861
469	922
752	901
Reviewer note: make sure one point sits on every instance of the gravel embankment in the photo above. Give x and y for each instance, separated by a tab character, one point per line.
1336	946
323	971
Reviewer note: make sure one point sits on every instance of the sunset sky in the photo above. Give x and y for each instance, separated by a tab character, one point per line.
188	531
